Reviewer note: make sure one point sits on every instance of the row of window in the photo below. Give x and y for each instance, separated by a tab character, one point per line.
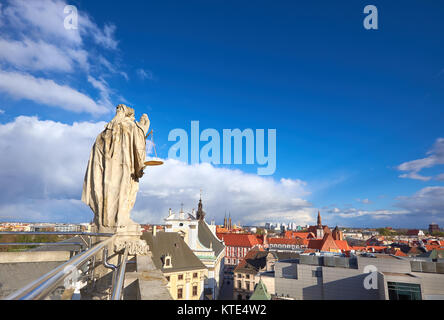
180	276
284	246
236	251
247	285
232	261
180	292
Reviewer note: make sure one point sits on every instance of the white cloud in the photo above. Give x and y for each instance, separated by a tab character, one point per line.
44	163
31	55
374	214
43	91
45	19
105	91
436	157
427	201
365	201
109	66
145	74
33	39
2	111
249	198
42	168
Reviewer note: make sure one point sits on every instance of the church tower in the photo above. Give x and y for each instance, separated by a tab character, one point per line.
200	215
319	220
319	228
337	234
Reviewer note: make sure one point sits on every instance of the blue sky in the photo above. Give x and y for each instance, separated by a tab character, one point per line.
350	105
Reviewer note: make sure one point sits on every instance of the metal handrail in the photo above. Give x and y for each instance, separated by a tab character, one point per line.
61	233
44	285
40	244
118	286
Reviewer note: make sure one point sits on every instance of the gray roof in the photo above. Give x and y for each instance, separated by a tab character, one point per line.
206	237
14	276
182	257
285	255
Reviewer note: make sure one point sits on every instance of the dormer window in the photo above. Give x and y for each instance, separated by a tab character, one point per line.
167	263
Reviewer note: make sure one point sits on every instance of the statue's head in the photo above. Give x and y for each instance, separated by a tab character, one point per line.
130	113
122	111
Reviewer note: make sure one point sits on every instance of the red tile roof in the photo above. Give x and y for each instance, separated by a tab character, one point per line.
328	244
377	248
430	247
343	245
399	253
239	240
302	235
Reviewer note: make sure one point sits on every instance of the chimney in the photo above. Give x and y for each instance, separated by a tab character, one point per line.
154	230
169	213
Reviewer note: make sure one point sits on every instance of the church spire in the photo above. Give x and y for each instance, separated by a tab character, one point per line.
200	213
319	220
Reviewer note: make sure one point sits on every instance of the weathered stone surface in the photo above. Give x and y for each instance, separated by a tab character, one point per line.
14	276
115	165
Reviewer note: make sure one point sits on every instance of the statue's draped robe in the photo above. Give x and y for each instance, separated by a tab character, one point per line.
111	180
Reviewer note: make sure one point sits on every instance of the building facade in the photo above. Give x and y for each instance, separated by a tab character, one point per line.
184	272
237	245
202	240
342	278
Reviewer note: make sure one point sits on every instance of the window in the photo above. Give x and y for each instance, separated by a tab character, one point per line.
179	293
239	284
247	276
247	285
167	262
168	278
404	291
239	275
194	290
195	275
180	276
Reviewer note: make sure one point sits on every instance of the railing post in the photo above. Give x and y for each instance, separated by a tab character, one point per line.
118	285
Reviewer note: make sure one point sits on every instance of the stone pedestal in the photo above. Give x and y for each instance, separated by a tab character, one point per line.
129	237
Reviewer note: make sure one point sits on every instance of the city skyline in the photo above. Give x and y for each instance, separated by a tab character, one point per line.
358	113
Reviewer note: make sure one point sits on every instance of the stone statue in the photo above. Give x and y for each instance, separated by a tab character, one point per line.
115	166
